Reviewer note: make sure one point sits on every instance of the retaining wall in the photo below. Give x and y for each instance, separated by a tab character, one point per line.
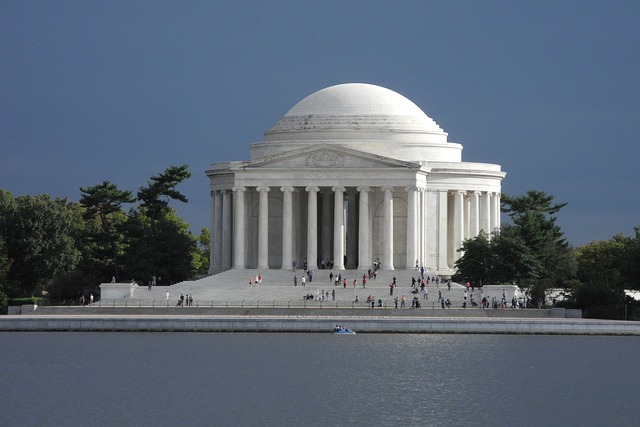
318	324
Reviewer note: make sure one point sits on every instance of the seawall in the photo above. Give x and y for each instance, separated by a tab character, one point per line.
318	324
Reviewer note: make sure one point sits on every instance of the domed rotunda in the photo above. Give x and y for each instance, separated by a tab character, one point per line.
352	174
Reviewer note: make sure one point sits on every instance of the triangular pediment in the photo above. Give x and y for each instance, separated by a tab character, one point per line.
324	156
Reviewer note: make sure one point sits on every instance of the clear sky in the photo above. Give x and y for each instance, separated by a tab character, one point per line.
120	90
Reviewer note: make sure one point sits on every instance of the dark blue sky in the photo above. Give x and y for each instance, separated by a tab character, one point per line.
119	91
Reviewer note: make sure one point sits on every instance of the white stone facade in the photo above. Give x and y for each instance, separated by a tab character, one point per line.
352	173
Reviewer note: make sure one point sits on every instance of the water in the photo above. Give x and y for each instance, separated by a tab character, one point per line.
317	379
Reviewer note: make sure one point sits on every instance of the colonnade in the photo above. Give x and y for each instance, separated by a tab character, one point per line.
436	226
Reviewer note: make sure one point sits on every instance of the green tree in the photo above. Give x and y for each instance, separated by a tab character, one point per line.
512	260
476	260
201	255
104	202
41	240
630	265
160	189
601	262
534	222
159	242
167	254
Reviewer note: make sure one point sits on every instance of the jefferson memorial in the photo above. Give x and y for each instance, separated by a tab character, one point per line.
352	174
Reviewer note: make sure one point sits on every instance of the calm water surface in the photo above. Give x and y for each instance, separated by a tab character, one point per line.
317	380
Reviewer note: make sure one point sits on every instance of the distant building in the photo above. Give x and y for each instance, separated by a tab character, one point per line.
351	174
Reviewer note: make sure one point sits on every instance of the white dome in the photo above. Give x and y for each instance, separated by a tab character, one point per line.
361	117
355	107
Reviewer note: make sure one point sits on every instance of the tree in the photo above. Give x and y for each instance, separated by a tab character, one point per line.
41	240
159	243
202	252
630	265
512	260
162	188
534	223
104	201
476	260
601	262
168	254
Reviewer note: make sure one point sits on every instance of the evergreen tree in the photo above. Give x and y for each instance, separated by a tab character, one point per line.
104	202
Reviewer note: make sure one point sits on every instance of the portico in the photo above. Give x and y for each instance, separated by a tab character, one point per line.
332	182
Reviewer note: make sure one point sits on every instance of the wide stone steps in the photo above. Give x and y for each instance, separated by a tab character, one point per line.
231	288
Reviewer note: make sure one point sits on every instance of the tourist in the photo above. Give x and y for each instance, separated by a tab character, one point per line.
82	300
403	300
355	282
302	280
330	276
90	299
395	301
295	280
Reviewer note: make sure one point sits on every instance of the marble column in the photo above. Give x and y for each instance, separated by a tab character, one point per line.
216	234
214	262
338	228
352	229
495	212
287	227
459	222
412	218
326	230
227	229
442	230
485	216
312	227
424	257
263	227
238	227
364	229
387	229
474	214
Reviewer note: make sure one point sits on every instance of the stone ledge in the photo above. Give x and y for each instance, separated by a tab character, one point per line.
319	324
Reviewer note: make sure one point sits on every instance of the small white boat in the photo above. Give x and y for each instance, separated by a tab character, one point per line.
343	331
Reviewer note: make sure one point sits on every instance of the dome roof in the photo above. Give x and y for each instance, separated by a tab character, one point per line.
355	107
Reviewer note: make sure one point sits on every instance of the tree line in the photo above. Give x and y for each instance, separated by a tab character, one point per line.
532	252
59	250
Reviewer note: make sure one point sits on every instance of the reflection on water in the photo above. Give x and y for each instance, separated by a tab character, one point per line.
316	379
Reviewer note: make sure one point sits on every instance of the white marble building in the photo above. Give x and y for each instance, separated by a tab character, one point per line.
352	173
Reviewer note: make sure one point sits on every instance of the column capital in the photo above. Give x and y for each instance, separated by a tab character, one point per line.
312	188
263	188
286	188
410	188
476	193
338	188
364	189
240	188
387	188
